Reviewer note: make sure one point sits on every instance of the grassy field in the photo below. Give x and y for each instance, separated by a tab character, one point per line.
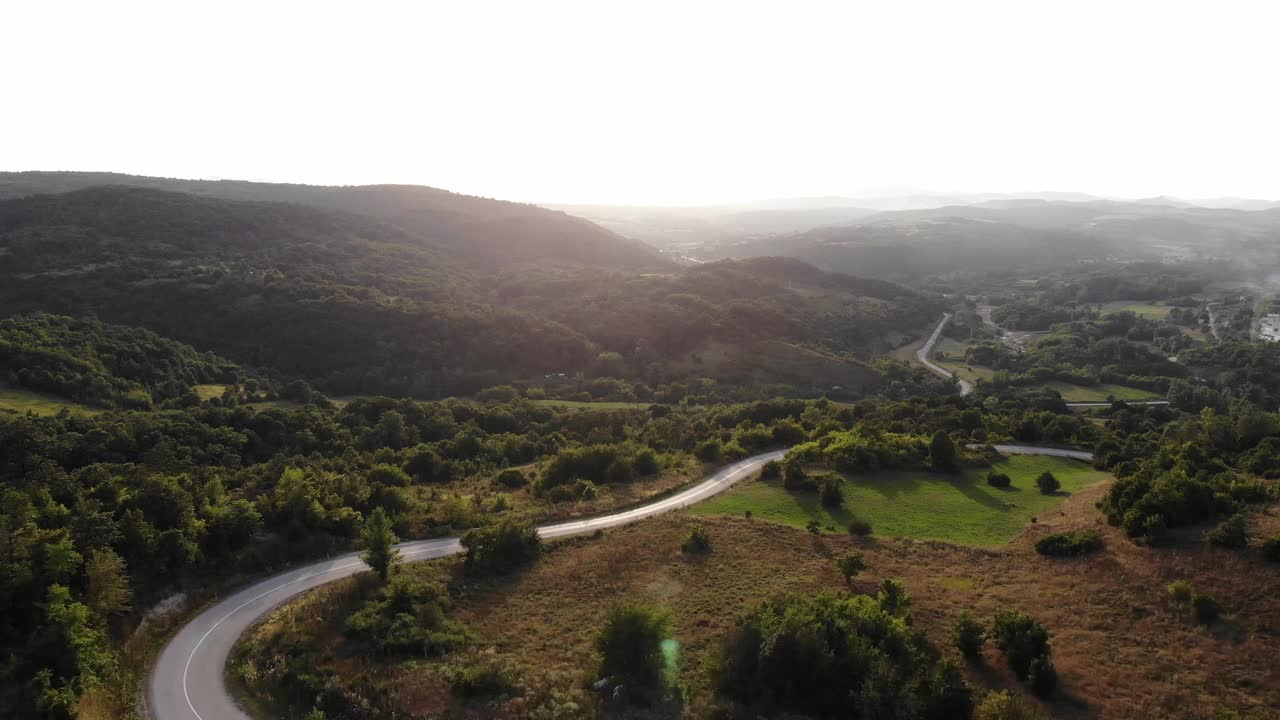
1099	393
961	509
24	401
209	392
1146	310
603	405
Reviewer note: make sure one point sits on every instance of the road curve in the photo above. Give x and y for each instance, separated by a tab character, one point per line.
922	355
187	681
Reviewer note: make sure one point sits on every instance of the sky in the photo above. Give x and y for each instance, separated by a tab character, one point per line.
654	102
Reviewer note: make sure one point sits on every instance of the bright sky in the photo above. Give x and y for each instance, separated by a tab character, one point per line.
653	102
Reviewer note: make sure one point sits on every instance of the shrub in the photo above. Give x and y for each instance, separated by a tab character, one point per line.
1047	483
852	564
709	451
475	677
1003	706
830	492
794	477
771	470
942	452
970	635
814	527
1022	638
1204	609
999	480
1180	591
619	472
859	528
630	645
835	655
1271	548
1230	533
407	616
1042	676
697	541
1070	544
646	463
512	478
500	547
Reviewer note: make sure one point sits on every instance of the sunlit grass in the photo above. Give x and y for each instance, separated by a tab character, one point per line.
959	508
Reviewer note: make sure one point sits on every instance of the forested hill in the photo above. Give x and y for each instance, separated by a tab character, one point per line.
99	364
354	304
483	233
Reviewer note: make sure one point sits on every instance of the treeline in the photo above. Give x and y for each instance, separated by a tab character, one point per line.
99	364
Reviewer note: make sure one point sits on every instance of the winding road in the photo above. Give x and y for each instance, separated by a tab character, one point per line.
922	355
187	681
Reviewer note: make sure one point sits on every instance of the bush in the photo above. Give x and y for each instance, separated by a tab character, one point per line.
1022	638
501	547
619	472
1180	591
830	492
852	564
407	616
1271	548
834	655
630	645
1047	483
859	528
795	478
1230	533
646	463
814	527
512	478
999	480
1070	544
697	541
483	676
942	452
771	470
1205	609
1043	676
709	451
970	635
1003	706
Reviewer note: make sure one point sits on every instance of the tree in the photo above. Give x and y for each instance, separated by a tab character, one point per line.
1042	676
1271	548
108	584
942	452
709	451
630	644
771	470
851	565
830	492
378	542
1047	483
970	635
1022	638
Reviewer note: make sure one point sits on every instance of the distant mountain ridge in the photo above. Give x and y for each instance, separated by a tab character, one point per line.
480	232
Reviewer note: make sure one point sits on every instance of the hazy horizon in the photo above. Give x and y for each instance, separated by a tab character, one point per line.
577	103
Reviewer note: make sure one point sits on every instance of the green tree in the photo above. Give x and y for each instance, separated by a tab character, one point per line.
1047	483
108	584
970	635
942	452
630	645
378	542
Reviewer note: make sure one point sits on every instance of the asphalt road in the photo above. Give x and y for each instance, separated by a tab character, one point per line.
922	355
187	681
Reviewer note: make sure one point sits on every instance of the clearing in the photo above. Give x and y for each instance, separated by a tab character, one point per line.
21	402
1139	308
960	508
